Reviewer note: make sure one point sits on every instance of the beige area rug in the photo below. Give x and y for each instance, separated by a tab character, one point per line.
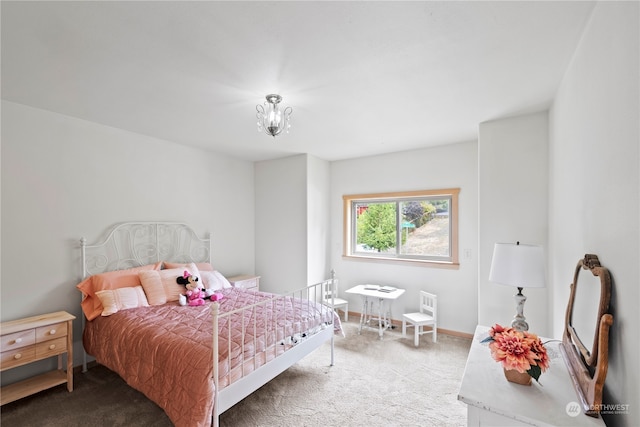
373	383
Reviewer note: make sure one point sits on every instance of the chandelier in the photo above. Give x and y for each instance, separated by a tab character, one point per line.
272	120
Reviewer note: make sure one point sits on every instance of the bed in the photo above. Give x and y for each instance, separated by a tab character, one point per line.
195	362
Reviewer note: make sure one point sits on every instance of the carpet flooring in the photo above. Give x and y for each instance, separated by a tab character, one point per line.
373	383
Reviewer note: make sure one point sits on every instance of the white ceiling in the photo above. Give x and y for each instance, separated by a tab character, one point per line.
363	78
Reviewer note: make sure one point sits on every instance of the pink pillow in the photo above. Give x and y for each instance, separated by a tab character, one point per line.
91	305
122	299
161	286
202	266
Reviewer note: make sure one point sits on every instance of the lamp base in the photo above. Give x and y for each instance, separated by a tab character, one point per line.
519	323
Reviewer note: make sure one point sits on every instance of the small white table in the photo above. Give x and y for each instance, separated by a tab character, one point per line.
492	400
371	294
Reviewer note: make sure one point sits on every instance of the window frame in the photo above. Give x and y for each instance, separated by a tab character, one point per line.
350	228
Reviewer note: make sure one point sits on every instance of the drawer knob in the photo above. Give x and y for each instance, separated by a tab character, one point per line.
18	340
17	356
52	346
52	332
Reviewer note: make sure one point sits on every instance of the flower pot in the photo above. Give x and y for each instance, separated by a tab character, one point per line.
517	377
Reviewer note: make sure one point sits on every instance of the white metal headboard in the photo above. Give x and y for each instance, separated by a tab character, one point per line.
132	244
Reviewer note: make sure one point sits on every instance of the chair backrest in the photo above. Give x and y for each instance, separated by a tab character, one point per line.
428	303
329	289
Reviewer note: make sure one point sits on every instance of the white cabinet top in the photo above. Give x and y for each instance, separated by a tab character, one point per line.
552	402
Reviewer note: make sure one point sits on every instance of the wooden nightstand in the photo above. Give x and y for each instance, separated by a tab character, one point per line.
245	281
28	340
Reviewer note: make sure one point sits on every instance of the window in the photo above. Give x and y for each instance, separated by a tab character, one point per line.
417	226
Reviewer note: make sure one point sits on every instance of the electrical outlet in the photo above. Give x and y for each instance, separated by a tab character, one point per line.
466	254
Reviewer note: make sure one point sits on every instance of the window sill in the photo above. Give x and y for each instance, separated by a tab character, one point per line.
415	262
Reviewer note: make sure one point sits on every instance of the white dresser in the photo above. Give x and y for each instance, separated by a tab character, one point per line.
492	400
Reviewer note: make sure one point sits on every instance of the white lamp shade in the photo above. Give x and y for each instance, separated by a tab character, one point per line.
521	266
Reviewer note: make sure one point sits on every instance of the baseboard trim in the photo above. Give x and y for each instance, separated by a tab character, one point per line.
398	324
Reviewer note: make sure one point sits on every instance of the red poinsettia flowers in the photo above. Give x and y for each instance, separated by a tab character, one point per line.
519	350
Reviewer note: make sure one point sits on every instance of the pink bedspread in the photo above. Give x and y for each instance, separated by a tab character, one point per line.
165	351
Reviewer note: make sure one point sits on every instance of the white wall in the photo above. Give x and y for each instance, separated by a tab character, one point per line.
318	219
64	178
512	155
281	223
433	168
292	222
595	188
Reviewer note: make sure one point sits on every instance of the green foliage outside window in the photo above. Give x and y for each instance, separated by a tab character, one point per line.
418	212
377	226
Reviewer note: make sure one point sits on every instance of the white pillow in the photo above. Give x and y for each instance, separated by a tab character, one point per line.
214	280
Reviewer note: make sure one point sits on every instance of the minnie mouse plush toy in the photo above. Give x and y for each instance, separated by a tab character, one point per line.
195	295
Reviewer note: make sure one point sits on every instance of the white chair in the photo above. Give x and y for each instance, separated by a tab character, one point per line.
337	302
427	316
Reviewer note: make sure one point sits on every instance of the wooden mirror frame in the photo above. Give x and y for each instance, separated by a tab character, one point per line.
588	368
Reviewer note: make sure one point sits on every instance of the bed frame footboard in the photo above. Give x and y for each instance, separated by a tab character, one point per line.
286	353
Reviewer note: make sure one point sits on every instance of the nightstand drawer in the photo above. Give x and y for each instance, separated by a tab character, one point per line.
17	340
50	332
18	356
51	347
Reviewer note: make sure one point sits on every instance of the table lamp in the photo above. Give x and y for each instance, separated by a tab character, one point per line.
520	266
